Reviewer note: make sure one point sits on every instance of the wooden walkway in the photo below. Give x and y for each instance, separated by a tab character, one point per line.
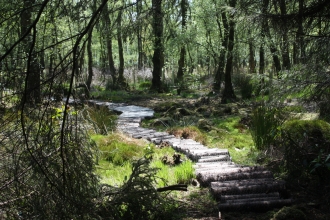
234	186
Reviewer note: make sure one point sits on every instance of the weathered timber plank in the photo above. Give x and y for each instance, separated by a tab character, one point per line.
205	180
248	196
246	189
215	164
228	170
249	200
219	158
256	205
245	182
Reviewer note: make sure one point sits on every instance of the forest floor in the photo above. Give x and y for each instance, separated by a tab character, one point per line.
197	202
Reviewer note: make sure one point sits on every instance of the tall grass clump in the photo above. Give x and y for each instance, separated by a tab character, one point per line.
184	172
265	125
101	118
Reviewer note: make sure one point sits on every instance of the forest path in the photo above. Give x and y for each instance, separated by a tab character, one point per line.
234	186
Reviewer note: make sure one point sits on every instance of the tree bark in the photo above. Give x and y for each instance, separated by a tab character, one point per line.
32	94
139	35
158	56
285	40
181	62
252	64
113	71
222	56
266	32
228	94
90	65
121	79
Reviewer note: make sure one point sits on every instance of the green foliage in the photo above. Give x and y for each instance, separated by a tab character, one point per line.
306	145
145	85
265	125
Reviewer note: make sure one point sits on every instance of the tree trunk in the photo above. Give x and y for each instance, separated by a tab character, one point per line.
139	35
262	60
266	32
32	94
90	65
252	64
285	40
113	71
121	79
222	57
158	57
181	62
228	94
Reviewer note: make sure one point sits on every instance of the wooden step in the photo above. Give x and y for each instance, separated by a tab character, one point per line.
248	187
233	198
206	179
262	205
208	159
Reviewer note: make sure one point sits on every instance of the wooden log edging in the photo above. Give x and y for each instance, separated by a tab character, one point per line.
235	187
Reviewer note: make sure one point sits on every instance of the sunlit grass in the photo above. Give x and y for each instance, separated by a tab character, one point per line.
118	151
234	137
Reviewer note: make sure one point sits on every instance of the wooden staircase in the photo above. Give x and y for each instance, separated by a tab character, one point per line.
234	186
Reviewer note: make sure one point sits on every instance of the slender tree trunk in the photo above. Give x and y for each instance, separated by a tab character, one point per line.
139	35
228	94
121	78
252	64
181	62
262	60
90	65
158	57
32	93
222	56
266	32
107	22
285	40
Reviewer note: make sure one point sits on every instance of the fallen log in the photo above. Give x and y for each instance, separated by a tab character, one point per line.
245	182
225	198
220	158
205	180
256	205
249	196
215	165
246	189
269	198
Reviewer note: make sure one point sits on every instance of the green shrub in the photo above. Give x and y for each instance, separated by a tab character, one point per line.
244	82
304	141
145	85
